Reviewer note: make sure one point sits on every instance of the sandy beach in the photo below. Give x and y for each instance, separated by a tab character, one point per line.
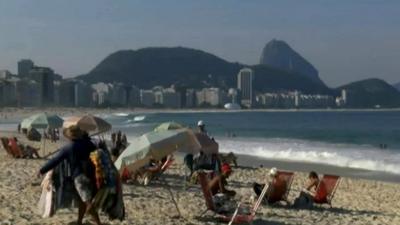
357	201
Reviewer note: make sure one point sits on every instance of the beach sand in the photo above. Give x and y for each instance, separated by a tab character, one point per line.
357	201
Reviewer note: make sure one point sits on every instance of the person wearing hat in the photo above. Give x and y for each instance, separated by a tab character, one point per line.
77	152
202	127
217	184
275	187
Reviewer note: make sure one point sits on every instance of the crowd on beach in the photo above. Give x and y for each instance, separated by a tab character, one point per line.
82	174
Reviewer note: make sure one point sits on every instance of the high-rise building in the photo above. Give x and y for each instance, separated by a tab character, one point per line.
245	85
24	66
5	74
133	96
45	78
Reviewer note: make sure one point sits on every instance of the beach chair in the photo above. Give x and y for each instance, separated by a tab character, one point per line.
326	189
150	175
231	218
15	149
288	178
4	142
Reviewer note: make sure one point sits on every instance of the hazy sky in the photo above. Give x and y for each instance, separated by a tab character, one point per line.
345	40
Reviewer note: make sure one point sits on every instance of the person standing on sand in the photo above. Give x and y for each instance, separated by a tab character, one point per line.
77	154
201	127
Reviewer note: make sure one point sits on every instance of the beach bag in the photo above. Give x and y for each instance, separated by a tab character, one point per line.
223	203
46	202
303	201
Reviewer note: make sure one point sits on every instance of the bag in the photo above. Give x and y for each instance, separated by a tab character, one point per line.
46	201
223	203
304	201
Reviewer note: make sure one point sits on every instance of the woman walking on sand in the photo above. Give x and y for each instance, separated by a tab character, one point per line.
77	155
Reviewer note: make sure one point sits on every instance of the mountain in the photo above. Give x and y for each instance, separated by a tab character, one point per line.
150	67
370	93
397	86
279	54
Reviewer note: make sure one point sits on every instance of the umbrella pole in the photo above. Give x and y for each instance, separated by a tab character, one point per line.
172	196
44	143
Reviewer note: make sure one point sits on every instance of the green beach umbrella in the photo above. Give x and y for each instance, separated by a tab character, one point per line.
42	121
168	126
156	145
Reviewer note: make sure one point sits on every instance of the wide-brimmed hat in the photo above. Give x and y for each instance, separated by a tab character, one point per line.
74	132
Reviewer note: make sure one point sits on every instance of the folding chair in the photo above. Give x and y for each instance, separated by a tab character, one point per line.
326	189
6	147
17	152
288	178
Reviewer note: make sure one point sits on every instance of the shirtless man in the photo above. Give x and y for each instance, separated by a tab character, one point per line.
217	184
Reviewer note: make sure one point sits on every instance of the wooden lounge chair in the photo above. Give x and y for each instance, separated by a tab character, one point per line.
230	217
288	178
326	189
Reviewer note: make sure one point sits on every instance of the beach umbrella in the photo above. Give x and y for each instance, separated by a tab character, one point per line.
89	123
42	121
208	145
156	145
168	126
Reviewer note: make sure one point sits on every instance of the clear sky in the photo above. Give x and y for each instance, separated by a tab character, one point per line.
345	40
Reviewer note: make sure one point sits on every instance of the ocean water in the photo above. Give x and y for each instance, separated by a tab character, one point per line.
347	139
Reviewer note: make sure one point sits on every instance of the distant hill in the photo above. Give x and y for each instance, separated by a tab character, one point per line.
397	86
279	54
149	67
371	92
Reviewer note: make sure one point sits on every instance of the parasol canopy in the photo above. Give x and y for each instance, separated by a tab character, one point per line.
89	123
42	121
208	145
155	145
168	126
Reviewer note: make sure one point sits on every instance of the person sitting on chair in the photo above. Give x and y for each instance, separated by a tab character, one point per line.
217	184
275	187
308	195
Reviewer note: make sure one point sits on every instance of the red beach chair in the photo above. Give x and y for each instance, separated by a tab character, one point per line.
17	152
288	178
235	217
6	147
326	189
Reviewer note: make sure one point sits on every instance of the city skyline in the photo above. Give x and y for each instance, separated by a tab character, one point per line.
345	41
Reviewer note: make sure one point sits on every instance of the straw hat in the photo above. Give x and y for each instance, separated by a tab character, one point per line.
73	132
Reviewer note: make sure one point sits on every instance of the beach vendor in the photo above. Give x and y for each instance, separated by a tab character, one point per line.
77	153
218	183
275	186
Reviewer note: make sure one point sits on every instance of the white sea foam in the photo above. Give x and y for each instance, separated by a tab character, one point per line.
121	114
139	118
344	155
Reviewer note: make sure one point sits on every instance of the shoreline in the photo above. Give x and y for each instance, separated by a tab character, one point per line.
305	167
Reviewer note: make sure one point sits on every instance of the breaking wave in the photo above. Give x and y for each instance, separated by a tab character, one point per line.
343	155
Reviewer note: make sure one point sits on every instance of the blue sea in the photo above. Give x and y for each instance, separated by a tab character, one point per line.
341	138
